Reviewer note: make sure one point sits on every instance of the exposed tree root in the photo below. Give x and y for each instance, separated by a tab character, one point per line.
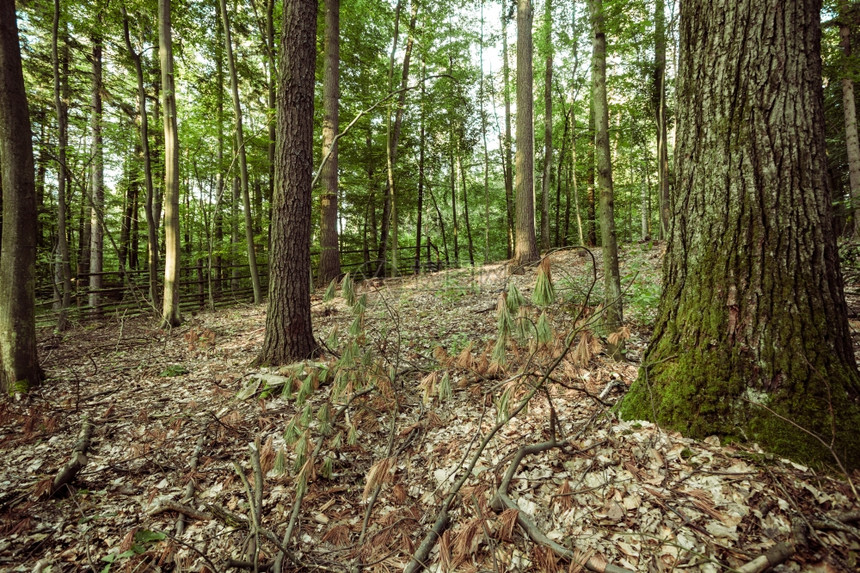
78	460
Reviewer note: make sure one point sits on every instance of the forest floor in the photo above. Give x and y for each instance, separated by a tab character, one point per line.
374	434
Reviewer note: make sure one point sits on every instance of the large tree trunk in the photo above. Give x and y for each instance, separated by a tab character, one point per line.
170	312
752	337
526	245
546	180
329	253
62	264
243	160
19	363
660	112
97	183
289	334
612	278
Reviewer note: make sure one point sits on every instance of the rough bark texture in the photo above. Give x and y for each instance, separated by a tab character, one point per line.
851	140
19	364
526	245
329	254
753	316
243	156
170	314
612	277
289	335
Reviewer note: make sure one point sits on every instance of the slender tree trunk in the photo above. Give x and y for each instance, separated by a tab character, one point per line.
453	170
421	144
171	315
466	206
97	186
526	245
481	96
220	271
243	160
752	336
507	155
19	363
660	109
546	181
329	254
645	203
559	178
613	314
151	220
441	221
62	265
852	141
591	211
289	334
272	80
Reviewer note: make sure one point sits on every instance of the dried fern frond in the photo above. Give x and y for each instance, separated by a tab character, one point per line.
337	535
377	475
445	391
544	293
441	355
618	336
563	497
545	333
507	522
465	360
582	353
267	455
467	540
428	387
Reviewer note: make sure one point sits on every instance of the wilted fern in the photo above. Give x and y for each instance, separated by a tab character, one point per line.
499	351
287	391
292	432
444	389
324	416
327	468
280	462
333	340
306	389
352	436
360	304
544	293
504	319
307	414
301	449
544	329
524	326
347	289
329	292
514	299
357	325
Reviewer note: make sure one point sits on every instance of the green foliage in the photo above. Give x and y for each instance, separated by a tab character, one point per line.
544	293
515	299
348	289
174	370
329	292
143	540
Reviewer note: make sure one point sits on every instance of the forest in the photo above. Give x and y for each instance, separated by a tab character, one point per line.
491	285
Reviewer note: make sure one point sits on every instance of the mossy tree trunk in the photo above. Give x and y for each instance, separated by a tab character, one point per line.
752	329
289	334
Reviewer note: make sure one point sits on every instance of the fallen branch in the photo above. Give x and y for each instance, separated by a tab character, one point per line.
501	501
181	509
78	460
189	487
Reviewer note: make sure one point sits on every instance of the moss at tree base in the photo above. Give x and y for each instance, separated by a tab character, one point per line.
704	394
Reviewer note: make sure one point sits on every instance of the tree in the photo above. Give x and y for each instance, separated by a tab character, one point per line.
612	277
97	183
752	337
289	333
240	148
19	363
852	142
329	253
546	179
525	250
63	271
658	100
170	305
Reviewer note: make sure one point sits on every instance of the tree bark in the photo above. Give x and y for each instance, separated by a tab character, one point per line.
151	220
243	158
97	184
660	112
62	264
852	141
329	254
289	334
19	363
613	314
546	180
507	155
526	244
422	140
752	337
170	313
